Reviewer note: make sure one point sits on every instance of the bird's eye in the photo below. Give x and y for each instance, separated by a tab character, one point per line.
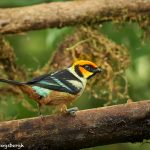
87	67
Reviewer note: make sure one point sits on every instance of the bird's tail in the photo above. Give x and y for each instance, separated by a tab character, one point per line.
11	82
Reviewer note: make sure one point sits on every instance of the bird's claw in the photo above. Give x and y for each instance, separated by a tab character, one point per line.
42	117
72	111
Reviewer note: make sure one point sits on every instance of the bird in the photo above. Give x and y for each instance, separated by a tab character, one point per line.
61	87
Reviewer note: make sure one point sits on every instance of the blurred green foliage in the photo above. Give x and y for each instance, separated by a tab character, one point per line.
20	3
33	49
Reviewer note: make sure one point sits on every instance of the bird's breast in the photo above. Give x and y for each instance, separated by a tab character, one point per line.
57	98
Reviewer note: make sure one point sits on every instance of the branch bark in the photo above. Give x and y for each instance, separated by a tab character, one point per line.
59	14
114	124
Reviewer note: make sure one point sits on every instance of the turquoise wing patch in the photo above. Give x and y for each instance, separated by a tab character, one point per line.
41	91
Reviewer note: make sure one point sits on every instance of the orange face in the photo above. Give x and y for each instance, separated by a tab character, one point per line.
86	68
85	73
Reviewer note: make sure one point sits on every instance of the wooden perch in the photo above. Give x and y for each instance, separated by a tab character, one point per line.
59	14
114	124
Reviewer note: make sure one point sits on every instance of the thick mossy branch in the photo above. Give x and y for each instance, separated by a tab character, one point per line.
59	14
114	124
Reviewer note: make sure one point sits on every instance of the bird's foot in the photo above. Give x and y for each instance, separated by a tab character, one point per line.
72	111
42	117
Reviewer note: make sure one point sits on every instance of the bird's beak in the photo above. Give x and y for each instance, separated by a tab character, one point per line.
98	70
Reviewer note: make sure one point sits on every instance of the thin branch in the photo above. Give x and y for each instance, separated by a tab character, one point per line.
114	124
59	14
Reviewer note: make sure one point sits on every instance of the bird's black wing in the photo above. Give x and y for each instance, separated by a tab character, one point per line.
58	81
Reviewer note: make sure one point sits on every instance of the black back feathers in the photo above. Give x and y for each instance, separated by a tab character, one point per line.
58	81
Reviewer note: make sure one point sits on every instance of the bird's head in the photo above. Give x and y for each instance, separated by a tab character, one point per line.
85	69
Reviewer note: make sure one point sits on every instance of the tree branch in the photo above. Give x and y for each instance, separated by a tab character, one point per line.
114	124
59	14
